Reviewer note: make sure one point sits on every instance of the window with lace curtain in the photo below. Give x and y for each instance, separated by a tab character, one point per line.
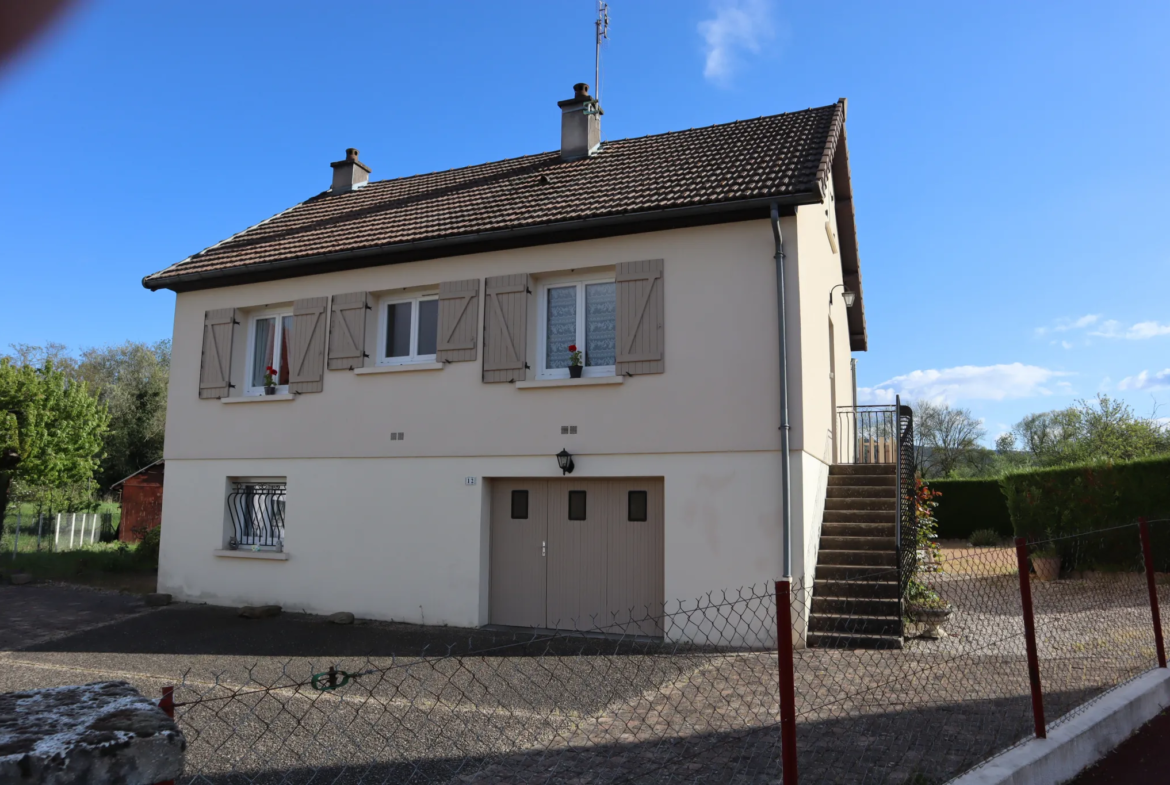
269	334
579	313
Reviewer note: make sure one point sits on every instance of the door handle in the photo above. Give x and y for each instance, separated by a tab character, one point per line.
544	548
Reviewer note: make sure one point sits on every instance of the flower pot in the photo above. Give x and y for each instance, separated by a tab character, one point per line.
1047	567
270	391
575	371
932	617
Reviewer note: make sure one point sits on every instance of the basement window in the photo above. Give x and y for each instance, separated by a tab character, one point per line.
256	511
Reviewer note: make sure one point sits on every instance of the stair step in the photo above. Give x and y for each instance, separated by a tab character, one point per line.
857	469
861	492
857	529
858	516
863	480
884	505
852	625
832	640
847	606
831	542
856	572
880	558
875	590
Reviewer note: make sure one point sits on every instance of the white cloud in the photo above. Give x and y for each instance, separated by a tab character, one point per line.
1064	325
965	383
1136	332
1146	381
738	26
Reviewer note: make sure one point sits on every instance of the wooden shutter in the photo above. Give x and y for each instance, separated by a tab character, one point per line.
215	369
458	320
307	349
505	328
639	318
347	331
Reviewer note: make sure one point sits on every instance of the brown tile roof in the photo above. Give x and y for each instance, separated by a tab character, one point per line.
783	157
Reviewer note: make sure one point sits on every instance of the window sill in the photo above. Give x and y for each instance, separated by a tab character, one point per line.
584	381
262	555
405	367
259	398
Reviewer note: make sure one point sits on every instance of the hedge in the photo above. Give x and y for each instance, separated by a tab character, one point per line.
966	506
1049	503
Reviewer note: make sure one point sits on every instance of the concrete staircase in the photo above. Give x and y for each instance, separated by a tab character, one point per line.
855	592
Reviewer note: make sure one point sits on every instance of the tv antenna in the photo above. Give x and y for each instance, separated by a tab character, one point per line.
602	25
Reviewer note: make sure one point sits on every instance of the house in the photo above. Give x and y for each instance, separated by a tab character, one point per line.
372	407
142	501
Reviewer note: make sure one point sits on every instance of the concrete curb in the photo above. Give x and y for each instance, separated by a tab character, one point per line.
1074	745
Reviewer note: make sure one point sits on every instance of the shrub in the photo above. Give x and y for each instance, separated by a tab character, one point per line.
1048	503
969	505
983	538
147	550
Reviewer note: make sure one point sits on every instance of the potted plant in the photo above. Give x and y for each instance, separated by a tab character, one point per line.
270	381
1046	562
574	362
924	606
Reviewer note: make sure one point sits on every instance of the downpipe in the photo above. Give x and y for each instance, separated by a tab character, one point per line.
785	468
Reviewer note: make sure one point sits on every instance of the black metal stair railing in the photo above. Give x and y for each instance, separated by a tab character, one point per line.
907	504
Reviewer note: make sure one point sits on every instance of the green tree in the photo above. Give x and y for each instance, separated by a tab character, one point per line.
1100	430
947	440
51	433
131	380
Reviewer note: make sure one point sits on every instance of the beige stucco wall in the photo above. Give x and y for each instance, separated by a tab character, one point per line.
404	539
381	527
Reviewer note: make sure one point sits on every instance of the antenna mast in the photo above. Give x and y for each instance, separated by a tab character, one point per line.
602	25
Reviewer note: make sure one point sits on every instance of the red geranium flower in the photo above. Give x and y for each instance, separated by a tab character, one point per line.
572	347
272	370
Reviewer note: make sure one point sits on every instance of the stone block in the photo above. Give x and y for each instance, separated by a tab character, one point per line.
157	599
343	617
21	578
100	734
259	611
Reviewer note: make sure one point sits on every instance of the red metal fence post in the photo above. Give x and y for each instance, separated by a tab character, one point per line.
167	704
1030	637
1148	553
787	680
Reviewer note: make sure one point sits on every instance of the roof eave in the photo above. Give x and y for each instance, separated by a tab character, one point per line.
337	260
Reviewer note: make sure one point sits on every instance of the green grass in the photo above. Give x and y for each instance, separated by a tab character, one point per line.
105	557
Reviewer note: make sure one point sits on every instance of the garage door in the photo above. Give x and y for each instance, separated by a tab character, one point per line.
577	554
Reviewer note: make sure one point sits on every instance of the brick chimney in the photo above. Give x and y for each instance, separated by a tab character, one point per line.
350	174
580	124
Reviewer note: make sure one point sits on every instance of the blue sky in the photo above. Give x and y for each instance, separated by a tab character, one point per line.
1009	159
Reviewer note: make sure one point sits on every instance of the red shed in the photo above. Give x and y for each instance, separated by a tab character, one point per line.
142	494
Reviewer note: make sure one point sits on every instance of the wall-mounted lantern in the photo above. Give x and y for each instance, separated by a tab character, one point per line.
846	295
565	461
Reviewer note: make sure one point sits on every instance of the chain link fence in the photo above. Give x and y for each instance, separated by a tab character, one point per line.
703	704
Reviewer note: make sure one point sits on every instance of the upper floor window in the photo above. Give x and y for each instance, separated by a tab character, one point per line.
408	330
269	335
579	313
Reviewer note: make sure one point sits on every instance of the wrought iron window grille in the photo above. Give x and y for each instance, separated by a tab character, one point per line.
257	514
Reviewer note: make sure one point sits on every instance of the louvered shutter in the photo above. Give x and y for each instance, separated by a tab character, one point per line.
458	320
640	337
216	366
505	328
347	331
307	349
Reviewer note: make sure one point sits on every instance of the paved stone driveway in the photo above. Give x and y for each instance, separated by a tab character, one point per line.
583	711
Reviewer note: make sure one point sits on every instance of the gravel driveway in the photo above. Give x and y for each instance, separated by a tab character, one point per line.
580	710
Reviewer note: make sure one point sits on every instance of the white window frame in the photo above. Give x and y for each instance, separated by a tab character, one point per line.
279	315
580	281
414	357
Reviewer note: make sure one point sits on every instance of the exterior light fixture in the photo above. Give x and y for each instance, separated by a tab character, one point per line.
846	295
565	461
